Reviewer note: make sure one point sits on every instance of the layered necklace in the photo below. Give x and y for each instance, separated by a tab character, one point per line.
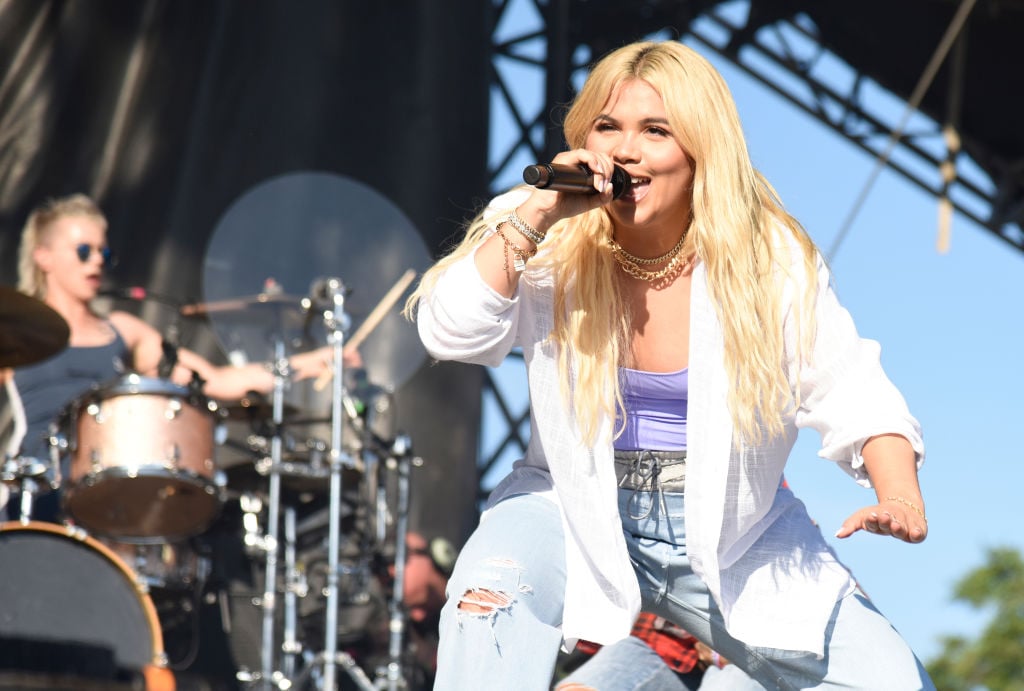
634	265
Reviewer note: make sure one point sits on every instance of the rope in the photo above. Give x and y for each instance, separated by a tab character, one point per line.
941	51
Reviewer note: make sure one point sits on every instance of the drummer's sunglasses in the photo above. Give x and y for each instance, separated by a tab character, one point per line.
84	251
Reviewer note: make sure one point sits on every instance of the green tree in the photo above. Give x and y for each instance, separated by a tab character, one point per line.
995	661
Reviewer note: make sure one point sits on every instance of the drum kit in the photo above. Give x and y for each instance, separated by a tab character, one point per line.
145	468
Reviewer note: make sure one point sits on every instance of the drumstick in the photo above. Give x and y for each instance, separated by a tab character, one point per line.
371	322
380	311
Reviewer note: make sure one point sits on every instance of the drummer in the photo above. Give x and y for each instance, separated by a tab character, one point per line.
62	257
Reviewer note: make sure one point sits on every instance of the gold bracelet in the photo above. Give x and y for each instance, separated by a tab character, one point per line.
521	255
911	504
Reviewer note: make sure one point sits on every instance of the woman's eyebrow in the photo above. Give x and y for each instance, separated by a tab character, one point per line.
645	121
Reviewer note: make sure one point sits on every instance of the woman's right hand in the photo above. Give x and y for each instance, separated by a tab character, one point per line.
543	208
501	257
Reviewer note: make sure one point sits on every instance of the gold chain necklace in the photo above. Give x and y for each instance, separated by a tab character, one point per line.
646	261
664	273
633	265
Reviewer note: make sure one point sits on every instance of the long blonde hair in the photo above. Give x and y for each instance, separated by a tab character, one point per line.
37	231
737	226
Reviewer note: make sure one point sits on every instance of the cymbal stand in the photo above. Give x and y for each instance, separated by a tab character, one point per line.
295	586
401	460
332	292
270	545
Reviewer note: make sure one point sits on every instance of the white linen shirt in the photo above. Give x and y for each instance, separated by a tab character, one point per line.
769	569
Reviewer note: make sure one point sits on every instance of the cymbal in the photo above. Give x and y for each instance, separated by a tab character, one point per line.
254	306
296	230
30	330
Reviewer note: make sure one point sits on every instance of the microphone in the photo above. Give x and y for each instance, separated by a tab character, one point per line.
129	293
139	294
579	179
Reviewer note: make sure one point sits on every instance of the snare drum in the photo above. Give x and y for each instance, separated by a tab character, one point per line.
142	461
73	611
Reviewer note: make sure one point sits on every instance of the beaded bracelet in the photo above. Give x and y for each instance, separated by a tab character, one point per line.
911	504
525	229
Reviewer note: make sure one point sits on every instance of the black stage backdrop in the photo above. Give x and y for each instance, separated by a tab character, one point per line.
170	113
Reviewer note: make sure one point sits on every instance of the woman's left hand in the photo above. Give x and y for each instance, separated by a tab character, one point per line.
887	518
891	463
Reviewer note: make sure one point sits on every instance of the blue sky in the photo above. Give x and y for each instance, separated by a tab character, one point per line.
951	337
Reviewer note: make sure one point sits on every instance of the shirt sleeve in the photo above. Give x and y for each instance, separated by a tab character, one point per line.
463	318
845	393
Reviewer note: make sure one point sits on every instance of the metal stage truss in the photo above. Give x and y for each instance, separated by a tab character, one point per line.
539	48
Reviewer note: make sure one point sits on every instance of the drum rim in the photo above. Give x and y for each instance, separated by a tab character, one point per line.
133	384
161	470
214	493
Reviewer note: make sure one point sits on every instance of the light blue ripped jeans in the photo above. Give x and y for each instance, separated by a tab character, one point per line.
518	550
518	554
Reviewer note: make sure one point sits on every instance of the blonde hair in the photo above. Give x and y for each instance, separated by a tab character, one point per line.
37	231
736	227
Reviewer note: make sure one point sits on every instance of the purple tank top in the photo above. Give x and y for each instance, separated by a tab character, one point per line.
655	410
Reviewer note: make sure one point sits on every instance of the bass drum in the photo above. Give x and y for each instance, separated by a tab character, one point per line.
73	615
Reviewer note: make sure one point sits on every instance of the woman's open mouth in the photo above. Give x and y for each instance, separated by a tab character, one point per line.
638	187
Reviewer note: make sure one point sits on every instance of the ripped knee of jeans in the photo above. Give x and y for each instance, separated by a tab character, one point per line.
495	590
484	601
573	686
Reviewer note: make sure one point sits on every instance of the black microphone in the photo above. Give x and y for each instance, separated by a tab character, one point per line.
139	294
567	178
129	293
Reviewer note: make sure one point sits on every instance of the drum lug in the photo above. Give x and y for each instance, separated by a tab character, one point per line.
263	465
95	411
173	409
220	434
58	442
76	532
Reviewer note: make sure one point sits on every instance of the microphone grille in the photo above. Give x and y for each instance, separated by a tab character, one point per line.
537	175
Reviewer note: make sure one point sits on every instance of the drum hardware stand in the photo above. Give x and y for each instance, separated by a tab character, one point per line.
329	294
401	459
252	540
26	471
265	465
270	541
295	587
332	292
345	661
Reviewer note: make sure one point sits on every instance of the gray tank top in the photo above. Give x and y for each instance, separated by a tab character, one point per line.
46	388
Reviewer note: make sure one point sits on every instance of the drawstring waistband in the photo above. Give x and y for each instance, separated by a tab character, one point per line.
651	471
